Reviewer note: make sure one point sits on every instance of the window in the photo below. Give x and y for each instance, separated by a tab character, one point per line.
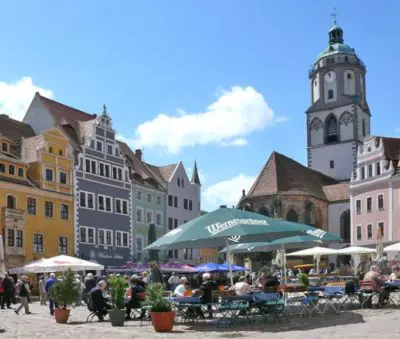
101	202
91	143
116	152
363	128
185	204
109	149
175	201
369	231
64	212
179	182
139	195
86	200
38	243
149	198
331	164
109	240
99	146
358	232
349	76
362	173
11	202
182	182
381	226
121	239
369	205
4	147
149	217
50	149
190	205
60	153
380	202
63	245
87	165
139	215
63	178
90	200
346	58
101	169
119	174
369	171
331	130
330	94
170	200
20	172
11	170
82	199
378	168
107	168
108	204
188	254
49	174
104	203
175	223
158	200
19	238
2	168
101	237
48	209
31	206
124	207
87	235
170	223
118	206
10	237
358	206
94	167
138	244
158	219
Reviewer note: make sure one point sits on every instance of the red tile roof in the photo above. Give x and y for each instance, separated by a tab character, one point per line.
282	174
338	192
64	114
164	172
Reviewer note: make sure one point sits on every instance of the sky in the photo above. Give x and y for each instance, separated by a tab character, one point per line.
222	82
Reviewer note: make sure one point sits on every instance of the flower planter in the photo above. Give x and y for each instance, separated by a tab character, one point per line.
163	321
117	317
61	315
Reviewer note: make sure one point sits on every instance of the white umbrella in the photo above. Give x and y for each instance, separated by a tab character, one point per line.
62	263
356	250
316	252
27	268
2	265
393	248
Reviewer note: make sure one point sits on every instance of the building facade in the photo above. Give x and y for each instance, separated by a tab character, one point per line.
102	188
36	193
182	205
149	201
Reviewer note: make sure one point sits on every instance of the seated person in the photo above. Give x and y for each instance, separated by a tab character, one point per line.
378	281
207	287
98	303
241	287
180	289
134	301
396	274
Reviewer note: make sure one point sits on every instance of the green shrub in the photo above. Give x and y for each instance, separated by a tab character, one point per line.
65	292
155	298
303	279
117	290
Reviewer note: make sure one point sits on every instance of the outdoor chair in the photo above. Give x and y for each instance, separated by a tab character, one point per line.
271	305
368	295
231	309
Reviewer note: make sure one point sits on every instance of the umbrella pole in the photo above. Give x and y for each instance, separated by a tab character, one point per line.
229	261
284	263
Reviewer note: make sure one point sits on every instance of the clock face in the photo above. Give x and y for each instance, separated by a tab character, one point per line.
330	77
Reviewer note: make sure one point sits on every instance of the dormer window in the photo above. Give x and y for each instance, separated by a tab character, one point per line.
4	147
179	182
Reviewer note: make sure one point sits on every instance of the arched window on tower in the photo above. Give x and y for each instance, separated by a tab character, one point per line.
331	130
345	226
330	94
292	215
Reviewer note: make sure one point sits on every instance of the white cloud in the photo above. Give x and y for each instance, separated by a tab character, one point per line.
16	97
227	192
227	121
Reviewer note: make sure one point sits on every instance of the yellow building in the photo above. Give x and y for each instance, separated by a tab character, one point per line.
36	193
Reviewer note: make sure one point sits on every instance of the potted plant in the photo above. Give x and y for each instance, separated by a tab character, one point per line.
161	312
64	293
117	290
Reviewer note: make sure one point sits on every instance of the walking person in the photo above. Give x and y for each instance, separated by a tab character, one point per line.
49	283
42	291
8	293
1	293
23	293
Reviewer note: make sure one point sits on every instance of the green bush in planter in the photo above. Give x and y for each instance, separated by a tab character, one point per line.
117	286
155	298
303	279
65	292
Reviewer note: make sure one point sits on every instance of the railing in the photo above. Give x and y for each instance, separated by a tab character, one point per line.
14	214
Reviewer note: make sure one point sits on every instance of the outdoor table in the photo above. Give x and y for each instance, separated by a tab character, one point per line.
186	307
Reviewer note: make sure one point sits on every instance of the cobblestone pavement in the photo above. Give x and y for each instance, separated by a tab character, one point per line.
354	324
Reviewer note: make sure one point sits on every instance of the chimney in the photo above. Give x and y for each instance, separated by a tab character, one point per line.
138	153
243	193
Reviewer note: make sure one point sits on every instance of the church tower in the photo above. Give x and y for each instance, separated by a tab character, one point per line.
339	117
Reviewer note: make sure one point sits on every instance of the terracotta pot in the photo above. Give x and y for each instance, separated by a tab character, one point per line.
61	315
163	321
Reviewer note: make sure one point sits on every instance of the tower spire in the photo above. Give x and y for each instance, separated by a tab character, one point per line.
334	16
195	175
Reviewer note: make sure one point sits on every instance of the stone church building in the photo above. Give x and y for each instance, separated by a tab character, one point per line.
338	120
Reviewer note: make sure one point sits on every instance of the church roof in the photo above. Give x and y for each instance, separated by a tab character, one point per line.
338	192
195	175
282	174
164	172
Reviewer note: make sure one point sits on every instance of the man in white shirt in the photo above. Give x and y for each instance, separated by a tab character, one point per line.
180	289
242	287
173	281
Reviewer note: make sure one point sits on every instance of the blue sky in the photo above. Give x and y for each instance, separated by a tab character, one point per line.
230	77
